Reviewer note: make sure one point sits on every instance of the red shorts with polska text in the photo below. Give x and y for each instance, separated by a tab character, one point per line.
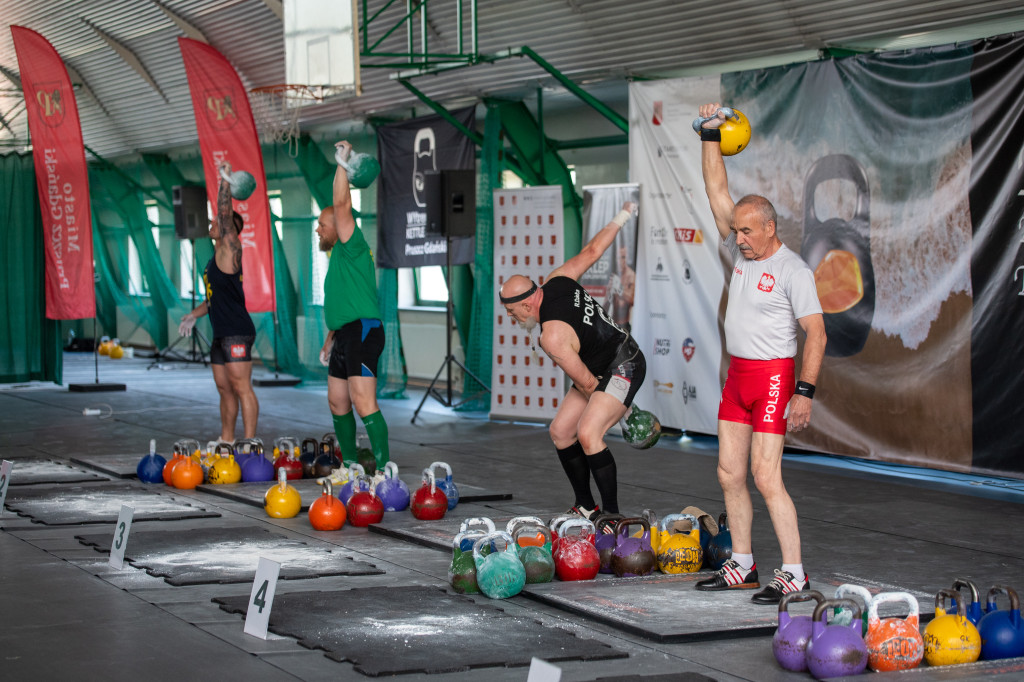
757	392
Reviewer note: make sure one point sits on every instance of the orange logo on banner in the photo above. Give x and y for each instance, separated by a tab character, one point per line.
688	235
219	109
51	104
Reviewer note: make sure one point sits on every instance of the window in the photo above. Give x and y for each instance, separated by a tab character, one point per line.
431	287
137	284
274	196
320	259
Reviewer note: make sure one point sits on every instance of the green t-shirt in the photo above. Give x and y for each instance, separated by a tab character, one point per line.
350	288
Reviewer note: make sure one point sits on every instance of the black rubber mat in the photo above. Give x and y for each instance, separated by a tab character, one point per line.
69	505
433	534
665	677
229	555
395	630
667	608
252	493
121	466
30	471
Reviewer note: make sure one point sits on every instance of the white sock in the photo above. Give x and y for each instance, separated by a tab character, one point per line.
746	561
796	569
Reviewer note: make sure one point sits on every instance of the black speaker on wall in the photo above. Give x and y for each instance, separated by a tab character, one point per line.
451	202
191	220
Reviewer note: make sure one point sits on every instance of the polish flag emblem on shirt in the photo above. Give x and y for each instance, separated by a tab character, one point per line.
766	283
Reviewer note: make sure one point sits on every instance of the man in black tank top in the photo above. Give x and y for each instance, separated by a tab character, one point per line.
602	359
233	330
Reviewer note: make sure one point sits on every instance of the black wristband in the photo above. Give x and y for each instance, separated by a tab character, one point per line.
805	389
710	135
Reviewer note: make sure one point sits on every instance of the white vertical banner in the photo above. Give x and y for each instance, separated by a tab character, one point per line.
611	280
680	280
528	240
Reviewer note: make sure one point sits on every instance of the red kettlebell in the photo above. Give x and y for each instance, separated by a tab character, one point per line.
285	452
327	512
364	507
553	525
577	558
429	503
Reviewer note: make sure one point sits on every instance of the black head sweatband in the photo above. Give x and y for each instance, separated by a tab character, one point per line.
521	297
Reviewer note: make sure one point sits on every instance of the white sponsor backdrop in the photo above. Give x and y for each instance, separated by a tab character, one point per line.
528	240
680	278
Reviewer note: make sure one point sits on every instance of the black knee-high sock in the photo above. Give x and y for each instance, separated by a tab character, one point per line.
602	466
575	463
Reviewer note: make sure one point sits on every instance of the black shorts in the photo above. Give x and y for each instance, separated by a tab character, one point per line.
625	375
356	350
231	349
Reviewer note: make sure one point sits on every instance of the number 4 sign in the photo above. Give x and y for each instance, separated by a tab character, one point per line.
262	598
5	479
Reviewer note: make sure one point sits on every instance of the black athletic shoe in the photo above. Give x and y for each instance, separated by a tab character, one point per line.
730	577
588	514
782	584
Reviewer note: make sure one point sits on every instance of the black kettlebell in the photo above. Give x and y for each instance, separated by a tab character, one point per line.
847	329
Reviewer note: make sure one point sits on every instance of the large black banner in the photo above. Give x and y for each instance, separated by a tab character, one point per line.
406	151
997	261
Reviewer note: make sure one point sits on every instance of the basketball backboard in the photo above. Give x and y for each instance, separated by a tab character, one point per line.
321	45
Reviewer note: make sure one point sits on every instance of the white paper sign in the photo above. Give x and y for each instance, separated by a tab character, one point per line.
262	598
120	542
542	671
5	480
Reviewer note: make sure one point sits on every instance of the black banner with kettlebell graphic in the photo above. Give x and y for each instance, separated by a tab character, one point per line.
898	178
407	151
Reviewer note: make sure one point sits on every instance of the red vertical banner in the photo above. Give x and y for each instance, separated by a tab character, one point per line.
61	176
227	132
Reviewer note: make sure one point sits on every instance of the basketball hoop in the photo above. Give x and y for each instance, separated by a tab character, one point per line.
275	109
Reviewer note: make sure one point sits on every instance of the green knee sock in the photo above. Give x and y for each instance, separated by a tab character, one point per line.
345	430
377	430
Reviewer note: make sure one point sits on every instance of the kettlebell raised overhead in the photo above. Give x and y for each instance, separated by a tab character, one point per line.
839	253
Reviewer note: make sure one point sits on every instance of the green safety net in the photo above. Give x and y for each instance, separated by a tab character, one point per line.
30	344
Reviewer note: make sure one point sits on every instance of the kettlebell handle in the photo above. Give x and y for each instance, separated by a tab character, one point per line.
524	528
803	595
360	480
836	167
477	521
510	527
940	602
669	519
622	527
823	606
443	465
390	470
886	597
490	537
327	488
961	583
428	475
1002	589
701	120
577	523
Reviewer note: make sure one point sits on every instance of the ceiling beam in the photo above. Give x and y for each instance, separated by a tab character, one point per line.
128	57
187	28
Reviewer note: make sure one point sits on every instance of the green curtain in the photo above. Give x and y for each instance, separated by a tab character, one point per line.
30	344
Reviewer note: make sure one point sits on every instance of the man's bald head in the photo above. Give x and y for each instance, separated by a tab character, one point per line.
521	298
515	286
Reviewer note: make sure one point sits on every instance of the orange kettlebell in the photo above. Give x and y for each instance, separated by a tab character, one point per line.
327	512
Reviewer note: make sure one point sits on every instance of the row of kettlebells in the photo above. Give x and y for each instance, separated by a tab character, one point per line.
858	638
384	491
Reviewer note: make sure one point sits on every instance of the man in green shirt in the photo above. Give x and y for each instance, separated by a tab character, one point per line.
355	336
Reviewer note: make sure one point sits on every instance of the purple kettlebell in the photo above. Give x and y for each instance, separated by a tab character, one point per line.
605	541
632	556
257	467
355	470
790	641
393	491
836	650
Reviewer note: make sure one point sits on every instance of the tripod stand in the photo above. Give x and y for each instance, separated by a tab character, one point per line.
449	358
196	353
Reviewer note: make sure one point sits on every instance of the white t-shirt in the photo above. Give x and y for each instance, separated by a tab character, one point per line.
766	298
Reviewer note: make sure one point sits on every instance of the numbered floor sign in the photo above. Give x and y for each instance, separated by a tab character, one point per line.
120	541
261	599
5	480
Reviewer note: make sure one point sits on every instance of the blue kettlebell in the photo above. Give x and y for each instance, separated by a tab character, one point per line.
972	611
151	467
720	546
245	448
446	484
355	470
500	574
393	491
1002	635
257	466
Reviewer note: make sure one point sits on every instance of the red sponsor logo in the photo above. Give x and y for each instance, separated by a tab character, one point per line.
238	350
688	349
688	235
737	271
766	283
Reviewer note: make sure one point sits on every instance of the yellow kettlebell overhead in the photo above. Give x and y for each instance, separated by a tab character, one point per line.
735	130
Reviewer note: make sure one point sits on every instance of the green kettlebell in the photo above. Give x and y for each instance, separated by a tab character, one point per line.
501	574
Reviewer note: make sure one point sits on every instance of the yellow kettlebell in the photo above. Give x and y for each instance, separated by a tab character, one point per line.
950	639
224	468
104	348
116	349
679	551
282	501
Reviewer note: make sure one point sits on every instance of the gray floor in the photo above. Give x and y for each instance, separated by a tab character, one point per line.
66	612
